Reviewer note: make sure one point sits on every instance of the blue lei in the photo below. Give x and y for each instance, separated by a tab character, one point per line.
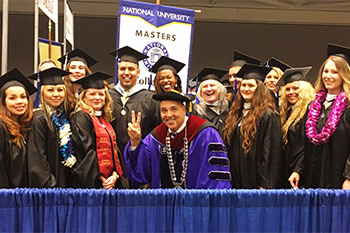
65	141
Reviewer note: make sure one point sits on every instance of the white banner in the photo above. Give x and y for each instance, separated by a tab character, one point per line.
50	8
156	31
69	25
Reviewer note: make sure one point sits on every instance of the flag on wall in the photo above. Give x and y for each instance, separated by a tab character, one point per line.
50	8
156	31
56	48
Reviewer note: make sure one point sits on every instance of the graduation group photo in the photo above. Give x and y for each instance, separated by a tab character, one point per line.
162	143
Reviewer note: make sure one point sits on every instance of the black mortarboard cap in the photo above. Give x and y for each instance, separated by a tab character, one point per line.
250	71
294	74
211	73
52	76
94	80
171	95
239	59
192	83
78	55
129	54
15	78
339	50
167	63
274	62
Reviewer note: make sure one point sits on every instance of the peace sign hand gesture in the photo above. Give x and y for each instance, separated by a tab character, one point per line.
134	129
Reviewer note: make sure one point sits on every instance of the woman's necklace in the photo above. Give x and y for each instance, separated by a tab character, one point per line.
65	141
339	106
171	162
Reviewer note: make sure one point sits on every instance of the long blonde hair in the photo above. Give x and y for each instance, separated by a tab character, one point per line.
48	110
343	70
306	95
107	109
262	100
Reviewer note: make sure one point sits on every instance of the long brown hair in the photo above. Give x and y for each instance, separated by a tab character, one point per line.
261	101
18	129
72	100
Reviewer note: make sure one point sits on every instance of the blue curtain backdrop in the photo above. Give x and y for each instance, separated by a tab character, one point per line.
84	210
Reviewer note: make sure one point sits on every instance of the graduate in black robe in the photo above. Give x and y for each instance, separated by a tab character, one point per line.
327	152
256	159
211	94
127	97
238	60
94	138
271	79
15	116
48	165
328	165
296	94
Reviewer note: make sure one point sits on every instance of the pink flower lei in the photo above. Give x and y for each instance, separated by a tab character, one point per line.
339	106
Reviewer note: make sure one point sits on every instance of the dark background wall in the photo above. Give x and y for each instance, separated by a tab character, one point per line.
213	42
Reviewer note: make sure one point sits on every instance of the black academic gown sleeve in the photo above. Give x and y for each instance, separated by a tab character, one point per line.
295	147
45	169
4	179
218	120
272	163
140	101
13	161
84	138
40	174
263	165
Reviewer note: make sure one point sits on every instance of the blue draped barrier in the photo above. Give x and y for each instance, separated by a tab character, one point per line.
89	210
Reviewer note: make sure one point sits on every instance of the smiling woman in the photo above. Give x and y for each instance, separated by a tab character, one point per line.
253	135
296	95
77	62
94	138
211	94
16	112
327	150
167	78
50	147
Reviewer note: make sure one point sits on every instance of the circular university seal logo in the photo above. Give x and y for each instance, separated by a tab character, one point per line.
154	51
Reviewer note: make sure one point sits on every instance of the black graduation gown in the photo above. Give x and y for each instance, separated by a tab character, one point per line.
217	119
295	148
13	171
263	165
140	101
327	165
84	138
45	169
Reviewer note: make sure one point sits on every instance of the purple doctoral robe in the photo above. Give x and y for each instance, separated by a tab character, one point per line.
208	165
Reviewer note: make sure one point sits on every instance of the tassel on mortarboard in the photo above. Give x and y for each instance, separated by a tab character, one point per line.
37	100
150	82
197	100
